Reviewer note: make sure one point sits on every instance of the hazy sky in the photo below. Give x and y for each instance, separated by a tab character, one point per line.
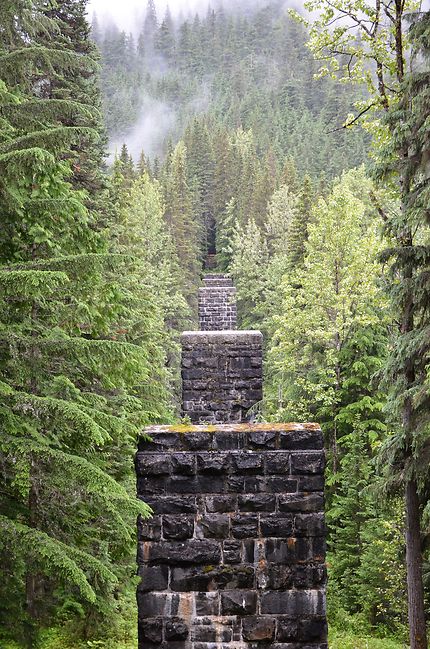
125	12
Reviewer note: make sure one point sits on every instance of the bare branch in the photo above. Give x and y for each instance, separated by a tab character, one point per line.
353	121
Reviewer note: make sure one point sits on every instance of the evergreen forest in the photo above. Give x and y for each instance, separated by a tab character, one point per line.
294	146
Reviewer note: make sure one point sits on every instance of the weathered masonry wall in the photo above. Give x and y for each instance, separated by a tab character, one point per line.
222	375
217	303
234	556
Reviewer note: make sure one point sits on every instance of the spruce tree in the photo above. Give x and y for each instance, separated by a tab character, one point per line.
298	234
165	39
149	31
179	216
75	385
405	160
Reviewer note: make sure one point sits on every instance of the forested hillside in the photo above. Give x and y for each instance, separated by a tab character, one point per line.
243	70
296	150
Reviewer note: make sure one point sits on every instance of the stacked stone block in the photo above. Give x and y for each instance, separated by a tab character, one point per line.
217	303
222	375
234	555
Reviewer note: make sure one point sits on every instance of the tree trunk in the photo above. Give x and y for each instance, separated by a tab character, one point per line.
30	577
416	612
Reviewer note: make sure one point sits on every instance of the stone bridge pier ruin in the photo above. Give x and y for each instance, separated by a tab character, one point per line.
234	554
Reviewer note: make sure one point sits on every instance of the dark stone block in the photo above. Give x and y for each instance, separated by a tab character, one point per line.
235	484
301	440
215	504
149	529
288	551
212	633
217	490
173	505
244	526
207	604
257	629
212	462
310	576
257	503
210	578
151	486
278	463
150	631
152	464
248	462
313	502
295	603
188	579
178	527
278	577
184	463
305	463
281	484
213	526
196	441
231	577
229	441
319	548
288	630
151	604
204	633
276	525
232	551
311	483
255	484
176	629
262	439
312	629
194	551
153	578
309	525
249	551
238	602
179	484
210	484
161	442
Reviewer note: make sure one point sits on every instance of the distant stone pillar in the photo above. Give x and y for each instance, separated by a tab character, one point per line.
217	303
222	375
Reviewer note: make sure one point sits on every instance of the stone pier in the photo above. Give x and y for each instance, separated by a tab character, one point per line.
234	554
222	375
217	303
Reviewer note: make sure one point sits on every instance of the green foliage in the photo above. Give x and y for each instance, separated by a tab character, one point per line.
82	345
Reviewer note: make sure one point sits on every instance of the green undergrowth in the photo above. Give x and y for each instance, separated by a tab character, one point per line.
346	640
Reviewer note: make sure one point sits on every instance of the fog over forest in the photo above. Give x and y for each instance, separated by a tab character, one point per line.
129	13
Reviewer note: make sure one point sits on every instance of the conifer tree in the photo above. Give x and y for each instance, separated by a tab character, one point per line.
165	40
249	256
75	386
298	234
405	160
150	26
179	216
82	85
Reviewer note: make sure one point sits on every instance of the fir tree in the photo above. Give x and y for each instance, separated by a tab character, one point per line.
179	216
405	159
165	40
76	387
